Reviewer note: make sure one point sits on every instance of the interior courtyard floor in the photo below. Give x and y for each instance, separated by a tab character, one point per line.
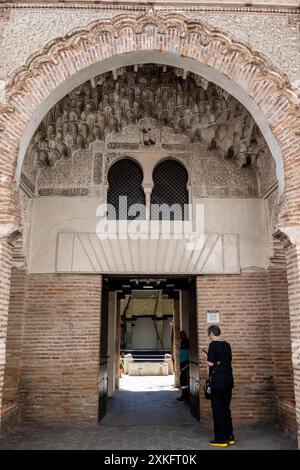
143	414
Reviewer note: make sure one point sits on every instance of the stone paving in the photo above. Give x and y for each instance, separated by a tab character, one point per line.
144	414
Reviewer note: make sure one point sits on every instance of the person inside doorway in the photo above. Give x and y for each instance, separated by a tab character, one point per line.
219	357
184	359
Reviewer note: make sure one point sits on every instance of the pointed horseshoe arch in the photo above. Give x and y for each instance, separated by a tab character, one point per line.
171	39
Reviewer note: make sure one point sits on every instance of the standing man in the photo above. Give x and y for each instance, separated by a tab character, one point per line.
184	359
219	359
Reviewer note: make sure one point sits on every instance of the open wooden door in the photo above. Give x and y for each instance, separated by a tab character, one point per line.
194	356
103	352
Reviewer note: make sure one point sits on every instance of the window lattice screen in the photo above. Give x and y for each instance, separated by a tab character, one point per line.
170	180
125	179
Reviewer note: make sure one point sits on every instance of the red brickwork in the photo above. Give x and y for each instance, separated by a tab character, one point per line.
60	366
281	348
293	270
58	348
244	306
14	347
5	270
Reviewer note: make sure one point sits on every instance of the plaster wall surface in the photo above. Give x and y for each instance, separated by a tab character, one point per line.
245	217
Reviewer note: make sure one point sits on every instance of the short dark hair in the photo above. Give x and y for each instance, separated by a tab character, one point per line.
214	329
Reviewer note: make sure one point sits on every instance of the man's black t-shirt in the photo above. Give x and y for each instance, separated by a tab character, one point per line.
219	353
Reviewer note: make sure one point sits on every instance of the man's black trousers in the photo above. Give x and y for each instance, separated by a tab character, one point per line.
220	403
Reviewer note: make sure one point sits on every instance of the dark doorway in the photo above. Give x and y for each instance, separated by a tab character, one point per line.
103	353
140	287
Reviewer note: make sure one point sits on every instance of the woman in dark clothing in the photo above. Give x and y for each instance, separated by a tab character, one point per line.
219	359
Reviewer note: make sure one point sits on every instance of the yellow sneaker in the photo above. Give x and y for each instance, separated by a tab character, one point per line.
231	441
218	444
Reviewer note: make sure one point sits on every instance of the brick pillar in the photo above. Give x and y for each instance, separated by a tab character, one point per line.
293	273
281	339
61	362
244	307
5	275
14	344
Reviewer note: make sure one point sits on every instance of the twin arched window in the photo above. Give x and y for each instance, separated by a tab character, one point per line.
169	197
170	179
125	179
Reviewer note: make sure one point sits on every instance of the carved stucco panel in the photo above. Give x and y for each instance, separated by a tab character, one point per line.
28	30
274	35
74	172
